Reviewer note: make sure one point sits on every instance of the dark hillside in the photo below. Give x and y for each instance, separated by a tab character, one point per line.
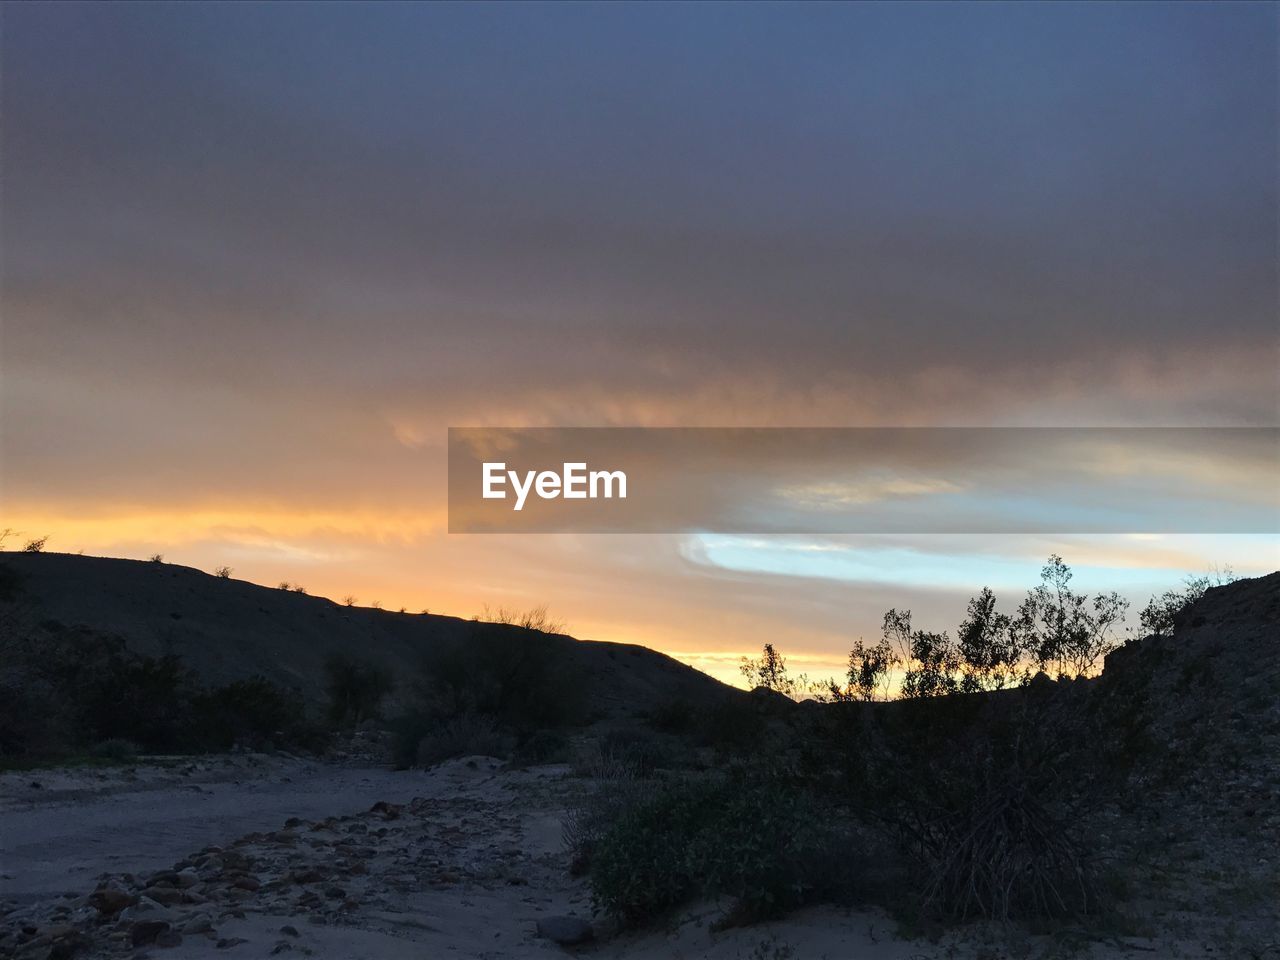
226	630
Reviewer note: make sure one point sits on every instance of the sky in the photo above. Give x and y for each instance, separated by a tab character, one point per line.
257	258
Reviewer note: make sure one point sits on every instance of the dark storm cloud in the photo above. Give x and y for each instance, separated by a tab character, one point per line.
230	230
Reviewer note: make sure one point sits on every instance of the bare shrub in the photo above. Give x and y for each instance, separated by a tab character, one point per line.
223	573
615	784
356	688
466	735
36	545
1006	855
535	618
1157	617
988	809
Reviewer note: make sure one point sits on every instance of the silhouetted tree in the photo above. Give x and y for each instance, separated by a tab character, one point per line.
870	670
990	652
1066	632
930	659
769	671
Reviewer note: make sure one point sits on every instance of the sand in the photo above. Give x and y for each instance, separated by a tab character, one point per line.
459	861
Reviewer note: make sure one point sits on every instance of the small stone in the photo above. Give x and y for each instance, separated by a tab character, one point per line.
566	931
109	901
169	938
289	930
200	923
145	932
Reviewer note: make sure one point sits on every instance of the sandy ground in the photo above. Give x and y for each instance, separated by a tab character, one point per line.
281	856
58	836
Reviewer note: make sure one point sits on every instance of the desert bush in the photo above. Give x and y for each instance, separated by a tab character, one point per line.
32	724
769	670
36	545
990	647
1068	633
641	751
81	688
930	660
1006	854
356	689
733	727
614	786
986	804
535	618
757	840
674	715
870	670
250	712
463	736
543	746
156	558
222	573
145	700
407	731
526	680
1156	619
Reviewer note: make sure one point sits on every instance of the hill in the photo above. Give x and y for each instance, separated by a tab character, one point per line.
226	630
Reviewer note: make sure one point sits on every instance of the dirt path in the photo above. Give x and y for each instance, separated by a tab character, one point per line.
60	836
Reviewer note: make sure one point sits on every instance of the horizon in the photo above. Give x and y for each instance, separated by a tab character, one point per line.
802	666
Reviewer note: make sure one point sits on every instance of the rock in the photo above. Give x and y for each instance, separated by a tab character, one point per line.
251	884
146	909
289	930
200	923
145	932
169	896
169	938
109	901
226	943
68	946
566	931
